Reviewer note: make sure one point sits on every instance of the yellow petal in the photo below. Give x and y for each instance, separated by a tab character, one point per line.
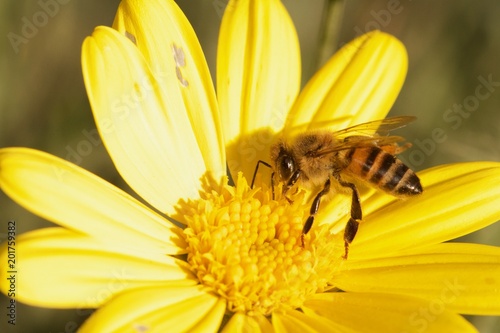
464	278
212	319
241	323
72	197
169	44
358	84
295	321
258	77
147	133
63	269
379	312
159	309
457	199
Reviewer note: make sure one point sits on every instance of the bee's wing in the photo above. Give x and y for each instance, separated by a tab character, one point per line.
365	141
375	128
374	133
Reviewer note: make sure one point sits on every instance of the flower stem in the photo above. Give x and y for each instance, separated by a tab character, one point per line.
331	24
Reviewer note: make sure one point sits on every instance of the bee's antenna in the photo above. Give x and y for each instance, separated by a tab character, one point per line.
255	175
257	168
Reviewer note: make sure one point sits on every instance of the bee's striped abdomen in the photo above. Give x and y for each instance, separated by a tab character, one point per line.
383	170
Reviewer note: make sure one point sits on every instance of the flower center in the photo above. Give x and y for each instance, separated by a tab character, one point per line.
247	248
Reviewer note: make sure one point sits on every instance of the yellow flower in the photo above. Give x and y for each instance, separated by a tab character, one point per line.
238	264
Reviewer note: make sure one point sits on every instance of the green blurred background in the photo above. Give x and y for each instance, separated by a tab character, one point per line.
451	45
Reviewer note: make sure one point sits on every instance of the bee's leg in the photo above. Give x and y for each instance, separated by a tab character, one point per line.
272	184
314	210
351	227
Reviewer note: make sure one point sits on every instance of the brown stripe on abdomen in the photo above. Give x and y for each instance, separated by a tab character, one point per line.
383	170
370	159
409	184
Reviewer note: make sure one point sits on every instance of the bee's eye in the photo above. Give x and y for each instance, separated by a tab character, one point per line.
287	167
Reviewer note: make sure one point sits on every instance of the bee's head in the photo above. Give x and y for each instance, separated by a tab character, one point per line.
284	164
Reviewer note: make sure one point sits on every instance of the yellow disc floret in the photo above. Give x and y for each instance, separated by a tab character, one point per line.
246	247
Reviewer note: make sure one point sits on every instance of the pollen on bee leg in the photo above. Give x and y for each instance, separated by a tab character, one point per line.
245	246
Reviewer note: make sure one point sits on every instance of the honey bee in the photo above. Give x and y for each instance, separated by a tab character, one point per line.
361	153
